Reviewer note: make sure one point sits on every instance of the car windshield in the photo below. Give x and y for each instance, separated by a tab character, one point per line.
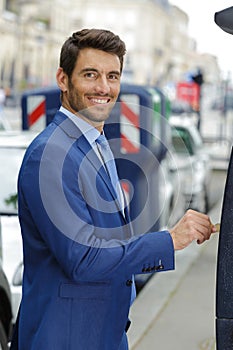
179	107
10	160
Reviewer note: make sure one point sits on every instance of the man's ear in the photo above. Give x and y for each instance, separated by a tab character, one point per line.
62	79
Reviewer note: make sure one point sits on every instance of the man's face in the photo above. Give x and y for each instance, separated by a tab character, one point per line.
94	86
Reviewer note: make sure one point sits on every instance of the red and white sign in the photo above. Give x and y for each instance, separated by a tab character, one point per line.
36	111
189	92
129	123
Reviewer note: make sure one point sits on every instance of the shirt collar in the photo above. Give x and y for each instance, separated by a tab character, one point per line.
87	129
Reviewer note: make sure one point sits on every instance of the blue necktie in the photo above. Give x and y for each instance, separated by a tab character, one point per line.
110	166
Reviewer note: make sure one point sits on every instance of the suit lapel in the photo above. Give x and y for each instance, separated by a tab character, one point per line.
91	155
74	132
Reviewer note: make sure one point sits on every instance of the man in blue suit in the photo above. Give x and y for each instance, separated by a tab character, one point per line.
80	253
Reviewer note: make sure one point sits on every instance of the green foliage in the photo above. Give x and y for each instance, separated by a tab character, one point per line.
12	200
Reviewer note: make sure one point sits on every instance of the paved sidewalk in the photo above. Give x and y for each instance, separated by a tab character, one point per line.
176	310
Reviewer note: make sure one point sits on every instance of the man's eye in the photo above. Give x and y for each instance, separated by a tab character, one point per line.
113	77
90	75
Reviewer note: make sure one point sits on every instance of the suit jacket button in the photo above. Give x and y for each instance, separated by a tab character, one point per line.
129	283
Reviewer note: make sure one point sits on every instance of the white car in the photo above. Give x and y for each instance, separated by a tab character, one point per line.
13	145
192	163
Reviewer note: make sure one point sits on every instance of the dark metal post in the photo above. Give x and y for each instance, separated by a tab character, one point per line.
224	293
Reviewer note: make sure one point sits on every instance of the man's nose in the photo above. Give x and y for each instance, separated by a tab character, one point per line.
102	85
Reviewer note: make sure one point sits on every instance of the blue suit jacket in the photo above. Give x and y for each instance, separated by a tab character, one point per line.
79	249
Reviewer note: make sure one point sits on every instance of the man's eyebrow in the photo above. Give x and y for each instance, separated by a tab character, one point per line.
88	69
115	72
91	69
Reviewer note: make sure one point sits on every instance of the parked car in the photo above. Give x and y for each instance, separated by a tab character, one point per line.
5	306
169	198
179	107
192	162
183	109
170	192
13	145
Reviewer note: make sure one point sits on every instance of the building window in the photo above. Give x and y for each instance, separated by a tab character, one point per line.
11	5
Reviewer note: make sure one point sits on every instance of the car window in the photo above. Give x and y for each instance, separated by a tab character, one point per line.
186	140
179	107
181	141
10	161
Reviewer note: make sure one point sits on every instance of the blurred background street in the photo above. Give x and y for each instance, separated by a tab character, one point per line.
187	78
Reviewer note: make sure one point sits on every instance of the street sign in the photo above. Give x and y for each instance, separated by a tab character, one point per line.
189	92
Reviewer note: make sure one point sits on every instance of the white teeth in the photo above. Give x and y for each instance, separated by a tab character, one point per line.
99	101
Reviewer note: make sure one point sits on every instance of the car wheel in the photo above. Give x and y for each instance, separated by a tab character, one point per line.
3	338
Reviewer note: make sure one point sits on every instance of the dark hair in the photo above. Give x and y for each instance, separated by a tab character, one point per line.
90	38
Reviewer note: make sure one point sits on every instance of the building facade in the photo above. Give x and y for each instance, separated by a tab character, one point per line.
159	49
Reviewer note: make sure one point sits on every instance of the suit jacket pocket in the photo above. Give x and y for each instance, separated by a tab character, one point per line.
85	290
88	305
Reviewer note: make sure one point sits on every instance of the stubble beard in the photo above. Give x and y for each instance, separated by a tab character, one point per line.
94	114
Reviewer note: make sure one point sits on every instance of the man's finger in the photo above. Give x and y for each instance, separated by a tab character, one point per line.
216	227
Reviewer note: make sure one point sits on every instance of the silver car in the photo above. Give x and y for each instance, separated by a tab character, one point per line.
192	162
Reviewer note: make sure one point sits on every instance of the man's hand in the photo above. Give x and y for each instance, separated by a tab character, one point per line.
192	226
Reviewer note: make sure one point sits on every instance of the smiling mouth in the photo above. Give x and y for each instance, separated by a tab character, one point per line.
100	101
